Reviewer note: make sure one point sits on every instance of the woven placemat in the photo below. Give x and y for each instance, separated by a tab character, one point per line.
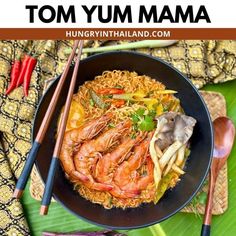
217	107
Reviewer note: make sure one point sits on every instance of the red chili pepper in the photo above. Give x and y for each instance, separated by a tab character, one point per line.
15	71
23	70
109	91
118	103
28	73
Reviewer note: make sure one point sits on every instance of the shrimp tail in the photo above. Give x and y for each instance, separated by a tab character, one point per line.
100	186
117	192
76	175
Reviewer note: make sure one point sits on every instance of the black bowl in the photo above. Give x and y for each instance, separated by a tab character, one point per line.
196	168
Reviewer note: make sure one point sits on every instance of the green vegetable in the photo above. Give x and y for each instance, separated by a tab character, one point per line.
152	113
187	152
135	118
141	96
97	100
91	102
140	112
163	186
138	44
109	96
143	122
111	125
147	124
119	86
135	127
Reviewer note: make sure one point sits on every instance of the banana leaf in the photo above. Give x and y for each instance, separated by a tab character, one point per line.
60	220
180	224
225	224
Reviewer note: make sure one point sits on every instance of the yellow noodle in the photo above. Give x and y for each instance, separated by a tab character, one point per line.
131	82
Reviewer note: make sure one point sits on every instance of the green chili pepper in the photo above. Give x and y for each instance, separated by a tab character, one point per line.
97	100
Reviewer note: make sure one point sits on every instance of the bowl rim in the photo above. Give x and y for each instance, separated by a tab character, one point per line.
100	55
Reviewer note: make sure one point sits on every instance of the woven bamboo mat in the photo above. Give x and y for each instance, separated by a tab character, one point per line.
217	107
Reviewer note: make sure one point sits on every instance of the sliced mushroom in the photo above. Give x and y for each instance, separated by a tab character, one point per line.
173	131
177	169
169	166
172	149
155	155
157	149
180	155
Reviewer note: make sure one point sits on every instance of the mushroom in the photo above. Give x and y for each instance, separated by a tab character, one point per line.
183	128
170	164
156	153
169	142
179	129
180	155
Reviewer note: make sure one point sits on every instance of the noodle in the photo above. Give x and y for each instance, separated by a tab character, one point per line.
131	82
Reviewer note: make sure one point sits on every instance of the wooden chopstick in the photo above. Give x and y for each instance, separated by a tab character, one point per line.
21	183
61	130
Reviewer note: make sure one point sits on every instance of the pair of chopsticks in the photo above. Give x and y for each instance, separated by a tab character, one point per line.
21	183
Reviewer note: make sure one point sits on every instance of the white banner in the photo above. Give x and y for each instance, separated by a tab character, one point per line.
117	14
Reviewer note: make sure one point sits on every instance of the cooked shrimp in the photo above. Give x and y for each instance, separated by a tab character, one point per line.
140	183
127	171
107	163
118	192
73	139
89	151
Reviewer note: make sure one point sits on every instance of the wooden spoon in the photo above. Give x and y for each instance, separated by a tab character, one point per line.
224	133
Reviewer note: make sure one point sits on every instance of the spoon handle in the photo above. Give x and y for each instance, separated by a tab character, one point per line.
206	227
206	230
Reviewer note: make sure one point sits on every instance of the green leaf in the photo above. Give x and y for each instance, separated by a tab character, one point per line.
135	118
202	198
147	124
187	224
140	112
163	186
152	113
60	220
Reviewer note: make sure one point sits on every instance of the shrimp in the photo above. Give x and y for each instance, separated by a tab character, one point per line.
126	178
140	183
119	193
127	171
73	139
88	154
107	163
